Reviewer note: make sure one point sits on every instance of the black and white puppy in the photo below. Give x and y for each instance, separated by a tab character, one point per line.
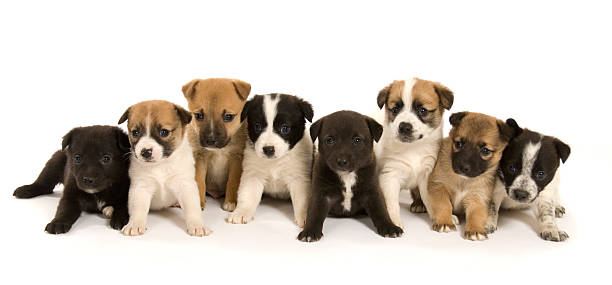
344	174
93	166
528	177
277	156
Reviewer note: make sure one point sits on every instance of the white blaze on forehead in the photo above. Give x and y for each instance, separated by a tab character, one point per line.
524	181
269	107
348	180
268	137
407	94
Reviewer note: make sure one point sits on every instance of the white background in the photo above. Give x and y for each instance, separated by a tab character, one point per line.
66	64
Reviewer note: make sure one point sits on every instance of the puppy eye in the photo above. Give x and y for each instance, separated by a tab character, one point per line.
423	112
485	151
512	169
258	127
164	133
540	175
106	159
356	140
395	110
228	117
330	141
459	144
77	158
284	129
199	116
135	133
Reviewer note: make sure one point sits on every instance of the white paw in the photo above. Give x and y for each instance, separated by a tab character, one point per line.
239	217
490	228
108	211
443	228
134	228
417	208
455	220
198	229
229	206
300	220
475	236
553	234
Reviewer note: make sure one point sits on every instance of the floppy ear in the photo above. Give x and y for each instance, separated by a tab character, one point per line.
306	110
123	141
183	114
315	129
375	128
563	150
245	110
124	117
456	118
383	95
507	132
190	87
512	123
67	138
242	88
446	95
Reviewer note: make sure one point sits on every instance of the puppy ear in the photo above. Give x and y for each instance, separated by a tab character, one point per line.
563	150
190	87
183	114
245	110
446	95
306	110
124	117
376	129
67	138
315	129
512	123
123	141
242	88
456	118
383	95
507	132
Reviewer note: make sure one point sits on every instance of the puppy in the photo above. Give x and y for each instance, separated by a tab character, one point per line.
162	168
217	136
93	166
344	174
411	137
528	177
277	157
464	175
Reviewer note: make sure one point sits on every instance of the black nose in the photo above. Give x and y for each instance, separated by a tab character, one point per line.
88	180
211	140
465	168
405	128
520	195
342	162
146	153
268	150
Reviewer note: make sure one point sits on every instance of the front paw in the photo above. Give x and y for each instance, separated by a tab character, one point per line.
310	236
57	227
229	206
490	228
300	220
475	235
134	228
239	217
559	211
554	235
417	207
118	221
390	231
198	229
29	191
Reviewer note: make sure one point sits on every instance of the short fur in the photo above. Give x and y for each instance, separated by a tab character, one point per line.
408	148
162	165
217	136
277	156
464	175
528	177
344	174
93	166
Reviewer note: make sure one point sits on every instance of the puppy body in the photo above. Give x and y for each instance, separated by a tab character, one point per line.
464	175
344	174
528	177
410	142
93	166
217	135
277	156
162	168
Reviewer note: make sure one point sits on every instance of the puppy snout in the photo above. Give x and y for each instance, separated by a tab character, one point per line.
211	141
405	128
465	168
342	162
146	153
268	151
520	195
88	180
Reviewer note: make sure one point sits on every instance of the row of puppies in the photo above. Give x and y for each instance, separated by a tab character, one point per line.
344	179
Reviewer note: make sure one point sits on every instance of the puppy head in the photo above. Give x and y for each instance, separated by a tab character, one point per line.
414	108
97	156
276	123
530	162
346	139
216	104
478	142
156	128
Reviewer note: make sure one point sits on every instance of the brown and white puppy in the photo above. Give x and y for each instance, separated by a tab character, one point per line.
464	175
410	142
217	135
162	168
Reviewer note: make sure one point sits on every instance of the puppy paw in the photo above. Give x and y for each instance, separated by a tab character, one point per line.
178	205
134	228
390	231
29	191
118	221
554	235
310	236
300	220
417	207
559	211
444	228
490	228
57	227
202	204
198	230
108	211
229	206
239	217
475	236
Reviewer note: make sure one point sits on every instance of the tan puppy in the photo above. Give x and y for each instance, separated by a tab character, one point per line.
217	135
464	175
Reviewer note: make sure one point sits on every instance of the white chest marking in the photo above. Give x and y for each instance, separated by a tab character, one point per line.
348	179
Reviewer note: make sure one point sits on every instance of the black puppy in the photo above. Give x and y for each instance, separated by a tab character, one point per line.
344	174
93	166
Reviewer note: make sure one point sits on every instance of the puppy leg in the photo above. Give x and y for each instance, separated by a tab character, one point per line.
119	218
249	195
68	211
139	202
494	205
51	175
186	192
559	211
475	217
390	186
318	209
441	208
233	182
417	205
200	177
375	206
545	211
299	191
